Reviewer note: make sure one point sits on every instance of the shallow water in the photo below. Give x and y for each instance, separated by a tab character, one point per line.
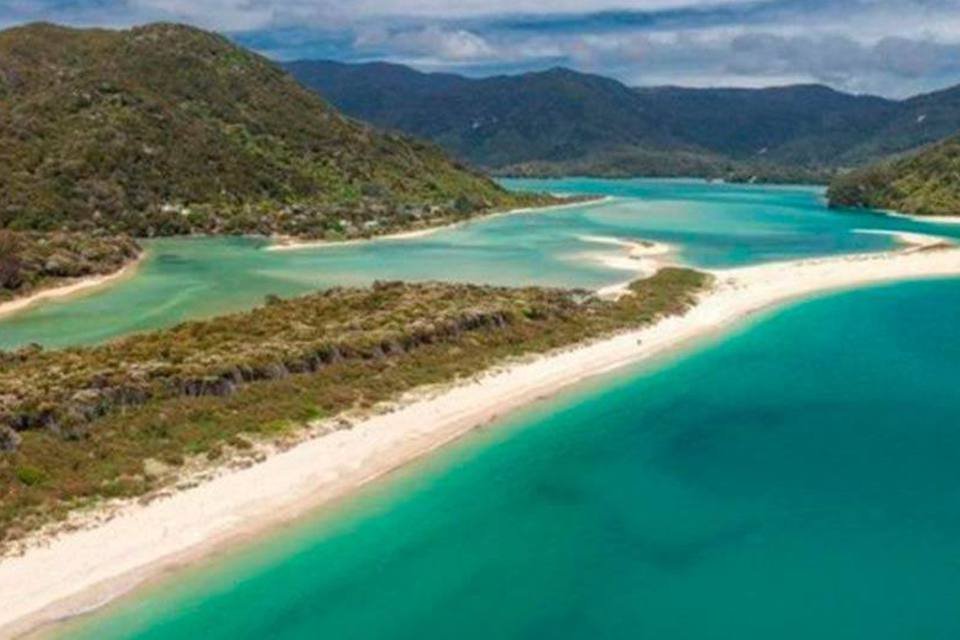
711	225
797	479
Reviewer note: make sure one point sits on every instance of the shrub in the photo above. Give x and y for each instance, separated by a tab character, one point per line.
30	476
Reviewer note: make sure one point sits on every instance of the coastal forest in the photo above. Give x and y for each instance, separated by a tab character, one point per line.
167	129
927	183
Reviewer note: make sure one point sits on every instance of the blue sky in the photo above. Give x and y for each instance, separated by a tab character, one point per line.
889	47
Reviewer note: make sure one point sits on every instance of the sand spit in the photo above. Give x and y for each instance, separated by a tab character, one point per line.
62	576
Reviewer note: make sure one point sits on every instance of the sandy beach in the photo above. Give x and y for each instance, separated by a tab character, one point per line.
82	285
282	243
83	569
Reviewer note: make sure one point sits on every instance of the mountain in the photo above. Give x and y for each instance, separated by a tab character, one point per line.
169	129
554	115
927	183
917	122
560	121
808	125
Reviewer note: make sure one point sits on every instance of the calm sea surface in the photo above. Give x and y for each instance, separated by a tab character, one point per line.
797	479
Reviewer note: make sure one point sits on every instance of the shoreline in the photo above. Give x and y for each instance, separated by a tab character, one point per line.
284	243
82	570
75	287
641	257
917	218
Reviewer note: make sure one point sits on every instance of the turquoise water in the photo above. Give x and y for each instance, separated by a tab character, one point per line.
711	225
796	480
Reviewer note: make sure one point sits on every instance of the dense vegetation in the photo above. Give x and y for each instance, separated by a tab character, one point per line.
629	163
167	129
119	419
30	261
927	183
561	121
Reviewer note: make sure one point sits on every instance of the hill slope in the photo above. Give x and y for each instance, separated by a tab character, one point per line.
554	115
916	122
168	129
927	183
563	121
806	125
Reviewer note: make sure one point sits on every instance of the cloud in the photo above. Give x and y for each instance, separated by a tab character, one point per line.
432	42
892	47
530	8
226	15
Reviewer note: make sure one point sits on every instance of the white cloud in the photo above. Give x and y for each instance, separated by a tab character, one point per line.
226	15
432	42
888	46
474	8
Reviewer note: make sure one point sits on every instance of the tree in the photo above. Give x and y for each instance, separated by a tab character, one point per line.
11	276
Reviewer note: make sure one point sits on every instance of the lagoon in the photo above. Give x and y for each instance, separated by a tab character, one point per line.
711	226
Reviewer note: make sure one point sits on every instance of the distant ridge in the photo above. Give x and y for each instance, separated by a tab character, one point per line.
560	120
169	129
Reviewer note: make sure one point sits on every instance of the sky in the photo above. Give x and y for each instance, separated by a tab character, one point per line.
893	48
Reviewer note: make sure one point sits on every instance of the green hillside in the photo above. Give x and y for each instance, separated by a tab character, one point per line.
167	129
927	183
560	121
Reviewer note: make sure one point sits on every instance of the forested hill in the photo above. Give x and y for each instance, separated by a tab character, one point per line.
554	115
927	183
562	120
170	129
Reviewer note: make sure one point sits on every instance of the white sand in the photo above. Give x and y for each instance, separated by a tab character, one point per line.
907	238
85	568
81	285
935	219
641	257
285	243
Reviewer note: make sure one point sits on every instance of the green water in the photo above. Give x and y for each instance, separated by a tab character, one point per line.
711	225
797	479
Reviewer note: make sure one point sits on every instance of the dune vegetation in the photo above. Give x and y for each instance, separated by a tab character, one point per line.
122	419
